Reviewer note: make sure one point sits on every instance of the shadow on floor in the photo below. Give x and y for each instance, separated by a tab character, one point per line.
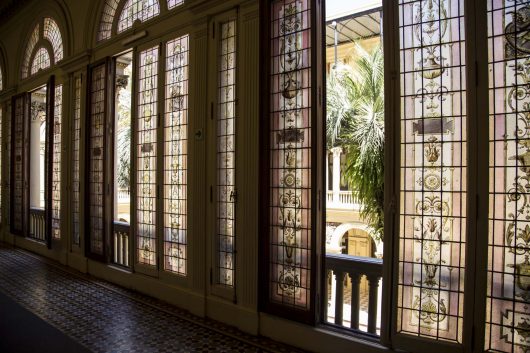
22	331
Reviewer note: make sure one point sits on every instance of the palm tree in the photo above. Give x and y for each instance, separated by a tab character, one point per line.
355	121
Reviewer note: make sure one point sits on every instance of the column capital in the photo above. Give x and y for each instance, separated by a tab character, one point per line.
336	151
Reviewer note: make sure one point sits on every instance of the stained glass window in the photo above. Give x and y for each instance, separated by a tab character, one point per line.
34	38
8	165
1	165
107	18
140	10
508	291
175	156
18	173
56	164
147	155
52	33
433	169
96	153
290	155
1	80
75	161
40	61
174	3
226	191
39	56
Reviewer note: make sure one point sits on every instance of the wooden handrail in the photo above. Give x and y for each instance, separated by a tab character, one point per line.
356	267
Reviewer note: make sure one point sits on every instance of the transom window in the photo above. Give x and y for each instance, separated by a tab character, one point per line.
130	12
44	48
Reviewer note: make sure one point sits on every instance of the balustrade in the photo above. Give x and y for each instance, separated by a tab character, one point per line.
339	268
120	244
37	224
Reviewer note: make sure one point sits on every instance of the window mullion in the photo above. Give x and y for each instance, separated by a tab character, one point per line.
478	181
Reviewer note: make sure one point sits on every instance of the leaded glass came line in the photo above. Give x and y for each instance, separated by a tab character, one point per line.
146	156
226	136
176	156
432	237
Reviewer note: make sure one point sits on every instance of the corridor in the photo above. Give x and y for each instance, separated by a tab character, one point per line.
103	317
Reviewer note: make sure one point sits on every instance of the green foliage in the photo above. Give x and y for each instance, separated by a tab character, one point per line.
355	121
123	131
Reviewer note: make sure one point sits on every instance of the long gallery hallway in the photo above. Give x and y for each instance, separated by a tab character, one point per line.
90	313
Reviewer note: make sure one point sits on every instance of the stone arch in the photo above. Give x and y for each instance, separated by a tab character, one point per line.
334	243
4	69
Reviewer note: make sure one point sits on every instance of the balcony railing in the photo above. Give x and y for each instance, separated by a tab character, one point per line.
120	244
342	199
124	196
37	224
364	276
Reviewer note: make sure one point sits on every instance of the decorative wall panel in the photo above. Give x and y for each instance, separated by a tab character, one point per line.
76	187
147	155
56	164
95	155
432	234
290	154
226	163
508	291
141	10
41	61
176	156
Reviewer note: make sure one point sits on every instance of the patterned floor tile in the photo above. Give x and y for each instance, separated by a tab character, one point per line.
107	318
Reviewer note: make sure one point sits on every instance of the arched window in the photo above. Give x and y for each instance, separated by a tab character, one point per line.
44	48
130	11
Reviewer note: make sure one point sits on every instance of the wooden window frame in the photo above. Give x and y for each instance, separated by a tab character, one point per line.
106	199
312	315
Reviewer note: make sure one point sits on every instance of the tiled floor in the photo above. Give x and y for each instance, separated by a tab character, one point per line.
107	318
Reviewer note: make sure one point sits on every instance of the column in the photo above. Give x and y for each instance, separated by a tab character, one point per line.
37	114
336	174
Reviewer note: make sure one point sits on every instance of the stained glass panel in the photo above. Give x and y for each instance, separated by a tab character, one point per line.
433	169
41	61
140	10
226	191
176	156
107	18
75	161
52	33
33	39
56	164
147	155
174	3
508	291
18	162
96	153
1	165
8	165
290	155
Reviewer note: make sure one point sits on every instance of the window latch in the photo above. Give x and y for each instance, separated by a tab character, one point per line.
233	195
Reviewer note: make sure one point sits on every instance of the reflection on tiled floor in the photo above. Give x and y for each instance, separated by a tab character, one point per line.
107	318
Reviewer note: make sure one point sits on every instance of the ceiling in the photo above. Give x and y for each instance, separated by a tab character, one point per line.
354	27
9	8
